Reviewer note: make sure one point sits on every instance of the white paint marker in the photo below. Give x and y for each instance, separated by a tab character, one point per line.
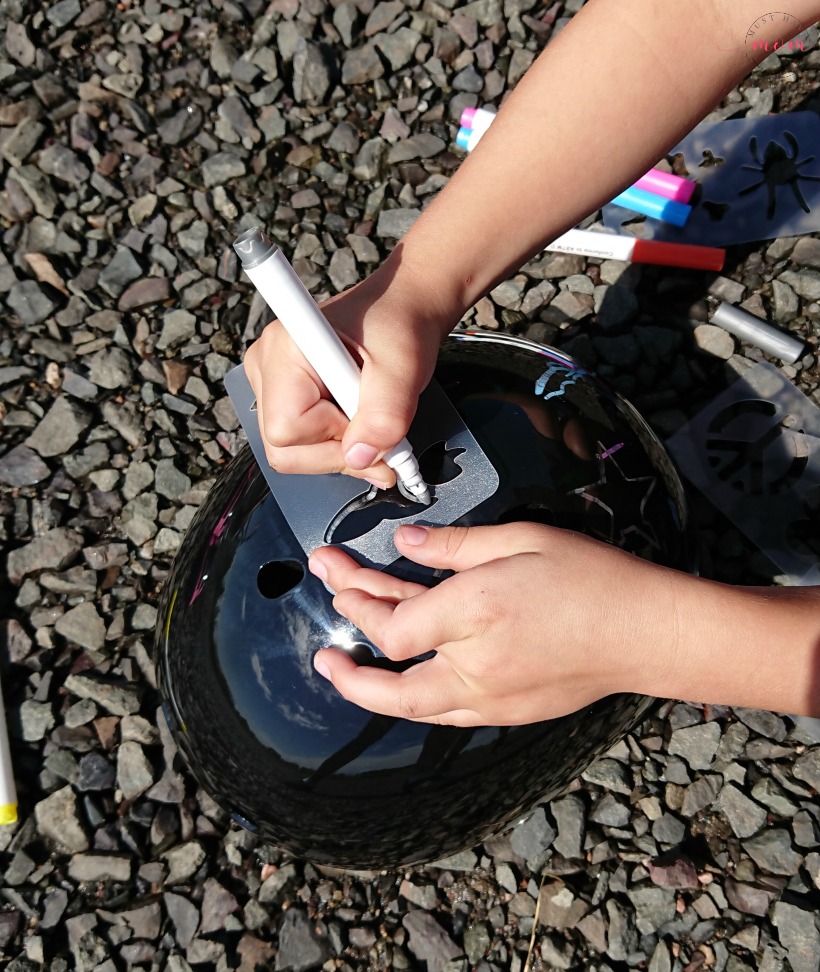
610	246
291	302
8	791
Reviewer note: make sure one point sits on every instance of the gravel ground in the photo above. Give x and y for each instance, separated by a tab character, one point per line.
136	139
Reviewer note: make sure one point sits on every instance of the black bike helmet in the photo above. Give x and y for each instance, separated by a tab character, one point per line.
241	618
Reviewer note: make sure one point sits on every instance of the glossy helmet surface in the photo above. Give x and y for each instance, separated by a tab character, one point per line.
241	618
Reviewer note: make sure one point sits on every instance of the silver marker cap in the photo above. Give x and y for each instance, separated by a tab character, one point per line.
752	329
253	247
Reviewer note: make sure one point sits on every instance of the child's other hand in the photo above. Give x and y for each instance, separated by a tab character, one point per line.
536	623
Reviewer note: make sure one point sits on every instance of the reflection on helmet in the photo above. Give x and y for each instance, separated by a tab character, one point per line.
241	618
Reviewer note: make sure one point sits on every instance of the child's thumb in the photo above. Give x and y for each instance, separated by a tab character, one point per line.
386	409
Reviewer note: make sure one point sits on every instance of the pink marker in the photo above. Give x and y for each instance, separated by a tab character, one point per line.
477	119
667	185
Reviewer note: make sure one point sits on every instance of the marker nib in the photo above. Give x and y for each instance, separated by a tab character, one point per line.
417	493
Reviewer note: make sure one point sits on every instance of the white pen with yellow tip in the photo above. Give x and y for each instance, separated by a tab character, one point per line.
8	791
291	302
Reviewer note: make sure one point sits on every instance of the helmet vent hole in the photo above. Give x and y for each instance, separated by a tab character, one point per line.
278	577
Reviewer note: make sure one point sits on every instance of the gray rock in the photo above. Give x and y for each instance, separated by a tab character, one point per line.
765	723
726	289
398	47
21	466
806	283
569	814
274	887
134	773
180	126
382	16
610	812
221	167
747	898
805	830
767	792
178	326
421	146
696	744
701	794
30	302
532	837
99	867
120	271
429	942
361	65
169	481
19	45
184	916
567	306
806	252
394	223
36	718
54	550
807	768
668	829
57	819
610	774
115	698
786	305
799	934
468	79
653	908
78	387
61	162
184	861
345	17
772	851
744	815
312	73
714	340
559	907
343	271
462	861
217	904
83	626
60	429
477	942
95	773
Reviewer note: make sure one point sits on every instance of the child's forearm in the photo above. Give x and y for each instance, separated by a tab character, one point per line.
740	646
615	90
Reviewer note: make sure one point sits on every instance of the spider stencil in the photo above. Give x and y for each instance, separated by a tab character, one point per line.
779	167
759	178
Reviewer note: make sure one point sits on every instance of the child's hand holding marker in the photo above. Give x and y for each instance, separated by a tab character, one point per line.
621	624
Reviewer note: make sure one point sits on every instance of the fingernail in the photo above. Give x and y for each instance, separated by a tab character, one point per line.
361	455
412	535
317	568
376	483
321	668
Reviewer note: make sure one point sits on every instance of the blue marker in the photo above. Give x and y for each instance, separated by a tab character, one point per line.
650	204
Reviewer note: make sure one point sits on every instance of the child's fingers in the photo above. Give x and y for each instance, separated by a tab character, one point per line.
421	693
340	572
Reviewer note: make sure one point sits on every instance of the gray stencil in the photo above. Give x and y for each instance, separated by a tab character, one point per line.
316	506
755	453
759	179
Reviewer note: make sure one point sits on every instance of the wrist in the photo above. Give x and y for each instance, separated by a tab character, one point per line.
752	647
